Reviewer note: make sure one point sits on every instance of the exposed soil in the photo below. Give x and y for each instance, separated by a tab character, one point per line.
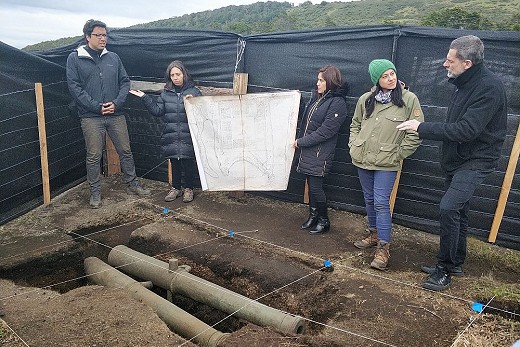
253	246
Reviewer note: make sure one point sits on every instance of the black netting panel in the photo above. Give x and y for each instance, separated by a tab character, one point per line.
273	61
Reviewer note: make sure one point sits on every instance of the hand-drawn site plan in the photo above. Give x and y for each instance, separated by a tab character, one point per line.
243	142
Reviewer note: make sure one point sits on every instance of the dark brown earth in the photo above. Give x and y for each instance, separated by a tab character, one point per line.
47	301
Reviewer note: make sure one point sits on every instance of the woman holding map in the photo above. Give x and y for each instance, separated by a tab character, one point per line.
176	141
323	116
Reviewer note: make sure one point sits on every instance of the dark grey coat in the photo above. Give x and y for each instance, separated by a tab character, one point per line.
92	83
319	130
176	138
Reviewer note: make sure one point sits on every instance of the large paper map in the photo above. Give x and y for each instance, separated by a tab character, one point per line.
243	142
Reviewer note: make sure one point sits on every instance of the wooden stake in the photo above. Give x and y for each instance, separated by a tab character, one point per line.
393	194
170	173
240	83
506	187
113	165
239	88
306	193
40	110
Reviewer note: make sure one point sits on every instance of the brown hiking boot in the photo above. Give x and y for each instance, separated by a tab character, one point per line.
188	195
381	256
370	241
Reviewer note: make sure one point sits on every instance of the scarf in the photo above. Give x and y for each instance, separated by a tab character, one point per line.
384	98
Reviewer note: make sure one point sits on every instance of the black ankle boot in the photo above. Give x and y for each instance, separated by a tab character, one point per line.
313	218
323	224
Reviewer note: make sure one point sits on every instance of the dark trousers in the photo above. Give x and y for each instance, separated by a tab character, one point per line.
454	207
186	166
94	130
316	192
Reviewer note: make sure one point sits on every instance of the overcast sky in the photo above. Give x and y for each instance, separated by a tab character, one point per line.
26	22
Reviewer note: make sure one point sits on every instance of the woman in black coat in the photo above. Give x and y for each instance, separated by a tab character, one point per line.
323	116
176	141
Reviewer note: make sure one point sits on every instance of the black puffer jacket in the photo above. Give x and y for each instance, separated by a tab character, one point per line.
319	130
176	139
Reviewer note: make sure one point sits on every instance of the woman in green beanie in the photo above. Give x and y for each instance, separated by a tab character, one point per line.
377	149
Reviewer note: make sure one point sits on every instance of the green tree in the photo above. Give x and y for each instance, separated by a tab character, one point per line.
328	22
515	22
52	44
240	27
457	18
283	23
512	24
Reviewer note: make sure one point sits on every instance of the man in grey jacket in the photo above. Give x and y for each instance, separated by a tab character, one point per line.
99	85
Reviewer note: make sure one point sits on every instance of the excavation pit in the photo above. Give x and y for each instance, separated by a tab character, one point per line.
252	246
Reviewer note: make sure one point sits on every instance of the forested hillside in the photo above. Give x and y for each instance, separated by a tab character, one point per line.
274	16
270	16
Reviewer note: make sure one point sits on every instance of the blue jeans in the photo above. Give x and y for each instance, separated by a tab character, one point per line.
94	130
377	186
454	207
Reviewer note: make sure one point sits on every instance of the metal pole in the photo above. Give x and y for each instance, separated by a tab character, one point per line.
183	283
176	318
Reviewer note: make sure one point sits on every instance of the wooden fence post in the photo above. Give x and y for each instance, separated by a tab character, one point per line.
239	88
113	166
240	83
506	187
170	173
40	110
306	193
393	194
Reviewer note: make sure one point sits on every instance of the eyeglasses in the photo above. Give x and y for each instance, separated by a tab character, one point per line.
99	35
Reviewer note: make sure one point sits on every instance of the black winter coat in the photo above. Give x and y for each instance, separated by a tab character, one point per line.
476	122
319	130
176	138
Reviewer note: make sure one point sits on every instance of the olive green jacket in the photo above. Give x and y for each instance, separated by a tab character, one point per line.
375	143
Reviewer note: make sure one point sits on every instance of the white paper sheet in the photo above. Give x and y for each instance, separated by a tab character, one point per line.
243	142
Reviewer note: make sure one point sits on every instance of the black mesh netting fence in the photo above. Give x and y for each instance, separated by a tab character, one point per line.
275	61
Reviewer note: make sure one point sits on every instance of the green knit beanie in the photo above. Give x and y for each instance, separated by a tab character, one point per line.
377	67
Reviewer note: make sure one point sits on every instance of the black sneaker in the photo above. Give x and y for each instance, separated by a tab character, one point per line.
439	280
456	271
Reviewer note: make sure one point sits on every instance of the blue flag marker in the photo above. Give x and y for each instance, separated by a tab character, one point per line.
165	210
326	263
232	234
477	306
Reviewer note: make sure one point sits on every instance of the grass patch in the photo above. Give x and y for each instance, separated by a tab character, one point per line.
500	257
488	331
504	292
